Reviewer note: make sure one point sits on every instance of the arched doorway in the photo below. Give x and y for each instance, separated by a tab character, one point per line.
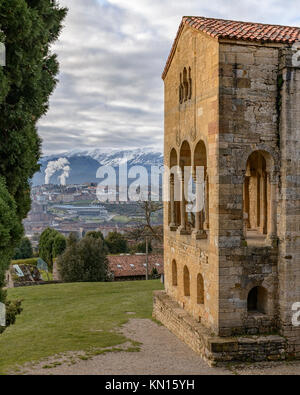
257	301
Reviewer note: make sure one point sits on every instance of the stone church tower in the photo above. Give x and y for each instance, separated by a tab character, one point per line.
232	269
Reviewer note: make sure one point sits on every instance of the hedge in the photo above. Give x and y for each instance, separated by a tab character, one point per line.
31	261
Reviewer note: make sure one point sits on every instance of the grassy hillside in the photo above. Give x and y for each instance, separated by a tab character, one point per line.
72	317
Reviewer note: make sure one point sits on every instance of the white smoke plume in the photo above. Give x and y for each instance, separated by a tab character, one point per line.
54	166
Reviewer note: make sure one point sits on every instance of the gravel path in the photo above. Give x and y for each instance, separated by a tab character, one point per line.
161	354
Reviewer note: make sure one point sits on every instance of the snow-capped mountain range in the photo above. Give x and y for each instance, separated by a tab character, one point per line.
114	157
85	163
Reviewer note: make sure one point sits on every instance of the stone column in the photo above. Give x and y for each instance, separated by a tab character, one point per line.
258	200
272	235
197	221
264	205
199	232
183	229
246	204
172	204
206	223
244	228
183	214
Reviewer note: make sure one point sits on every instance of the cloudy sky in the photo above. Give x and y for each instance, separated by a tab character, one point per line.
112	53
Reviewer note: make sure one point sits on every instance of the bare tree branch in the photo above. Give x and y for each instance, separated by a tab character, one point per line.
149	209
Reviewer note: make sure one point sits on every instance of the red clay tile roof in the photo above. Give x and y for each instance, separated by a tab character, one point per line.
134	265
247	31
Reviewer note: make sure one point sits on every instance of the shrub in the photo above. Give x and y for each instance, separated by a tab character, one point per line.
30	262
84	261
154	274
12	310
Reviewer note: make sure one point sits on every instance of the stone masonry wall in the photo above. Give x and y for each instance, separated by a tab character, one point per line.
245	98
213	349
192	121
289	223
248	123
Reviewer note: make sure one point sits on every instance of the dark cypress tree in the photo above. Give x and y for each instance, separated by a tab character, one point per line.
27	28
10	230
24	250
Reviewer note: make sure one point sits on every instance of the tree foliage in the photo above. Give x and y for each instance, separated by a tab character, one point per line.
24	249
59	245
95	235
28	28
84	261
10	231
141	247
116	243
72	239
51	245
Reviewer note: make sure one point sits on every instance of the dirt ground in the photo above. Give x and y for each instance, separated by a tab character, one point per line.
161	354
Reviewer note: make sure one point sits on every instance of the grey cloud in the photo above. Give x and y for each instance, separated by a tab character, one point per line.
112	53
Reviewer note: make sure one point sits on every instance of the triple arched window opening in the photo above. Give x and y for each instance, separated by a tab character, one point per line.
189	190
189	193
187	283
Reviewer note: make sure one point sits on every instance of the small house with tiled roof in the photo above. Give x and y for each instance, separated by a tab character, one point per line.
232	262
127	267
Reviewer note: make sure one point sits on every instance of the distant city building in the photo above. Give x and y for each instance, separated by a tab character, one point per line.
87	211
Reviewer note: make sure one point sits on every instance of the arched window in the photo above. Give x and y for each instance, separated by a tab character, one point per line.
259	198
174	274
185	84
185	155
200	289
186	281
202	189
258	300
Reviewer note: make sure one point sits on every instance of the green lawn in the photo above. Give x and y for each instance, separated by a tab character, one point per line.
72	317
